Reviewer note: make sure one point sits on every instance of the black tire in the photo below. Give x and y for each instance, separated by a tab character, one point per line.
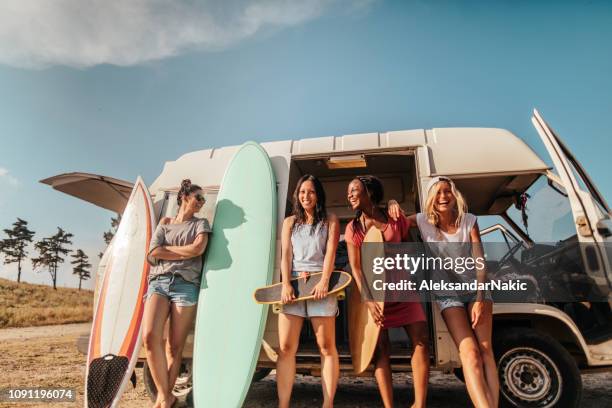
535	370
459	374
260	374
183	384
189	399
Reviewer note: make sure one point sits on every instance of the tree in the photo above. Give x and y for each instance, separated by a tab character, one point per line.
110	234
81	266
52	251
14	247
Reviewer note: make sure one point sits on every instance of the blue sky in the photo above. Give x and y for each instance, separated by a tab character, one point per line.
117	89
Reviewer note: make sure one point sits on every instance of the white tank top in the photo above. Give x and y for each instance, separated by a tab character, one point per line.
443	245
431	233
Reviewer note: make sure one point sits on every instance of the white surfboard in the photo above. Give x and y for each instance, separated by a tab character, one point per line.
115	338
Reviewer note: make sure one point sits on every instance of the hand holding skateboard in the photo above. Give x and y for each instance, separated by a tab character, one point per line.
375	312
309	285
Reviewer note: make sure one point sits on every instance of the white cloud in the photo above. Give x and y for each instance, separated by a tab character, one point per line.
6	176
84	33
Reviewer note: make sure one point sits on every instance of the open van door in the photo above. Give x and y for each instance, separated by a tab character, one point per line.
106	192
590	210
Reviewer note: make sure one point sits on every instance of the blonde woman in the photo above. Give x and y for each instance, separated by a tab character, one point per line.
468	315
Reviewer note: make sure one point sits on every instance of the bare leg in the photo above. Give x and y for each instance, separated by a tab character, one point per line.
484	332
289	328
419	361
325	330
181	322
382	369
154	319
457	322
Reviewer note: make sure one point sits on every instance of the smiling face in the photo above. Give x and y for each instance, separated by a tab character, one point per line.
445	199
307	195
357	196
194	201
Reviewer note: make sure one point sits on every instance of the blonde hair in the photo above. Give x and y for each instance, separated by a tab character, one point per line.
433	216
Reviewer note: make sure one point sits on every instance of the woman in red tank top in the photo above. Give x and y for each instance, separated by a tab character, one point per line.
365	194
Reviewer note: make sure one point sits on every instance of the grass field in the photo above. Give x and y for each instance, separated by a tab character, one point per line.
25	304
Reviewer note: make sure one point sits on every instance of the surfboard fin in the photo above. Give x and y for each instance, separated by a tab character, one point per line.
133	378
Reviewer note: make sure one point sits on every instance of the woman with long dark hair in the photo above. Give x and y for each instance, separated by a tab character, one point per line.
365	195
176	252
308	244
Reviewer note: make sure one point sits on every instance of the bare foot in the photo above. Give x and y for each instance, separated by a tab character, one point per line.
168	402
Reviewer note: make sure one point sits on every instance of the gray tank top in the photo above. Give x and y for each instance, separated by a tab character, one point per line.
308	247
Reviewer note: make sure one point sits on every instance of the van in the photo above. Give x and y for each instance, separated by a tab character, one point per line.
541	347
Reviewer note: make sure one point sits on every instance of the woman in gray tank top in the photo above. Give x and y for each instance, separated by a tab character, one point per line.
308	244
175	251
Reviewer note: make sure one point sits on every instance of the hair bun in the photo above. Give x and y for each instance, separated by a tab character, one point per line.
186	183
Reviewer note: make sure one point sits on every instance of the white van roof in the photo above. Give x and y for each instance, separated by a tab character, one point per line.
452	152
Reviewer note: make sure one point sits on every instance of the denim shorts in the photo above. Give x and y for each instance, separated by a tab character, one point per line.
326	307
460	300
174	288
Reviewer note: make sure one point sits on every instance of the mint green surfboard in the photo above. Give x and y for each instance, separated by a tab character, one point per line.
239	259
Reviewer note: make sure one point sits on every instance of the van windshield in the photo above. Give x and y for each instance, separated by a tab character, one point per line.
544	212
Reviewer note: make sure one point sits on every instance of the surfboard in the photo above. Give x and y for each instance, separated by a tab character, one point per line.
363	331
239	259
115	338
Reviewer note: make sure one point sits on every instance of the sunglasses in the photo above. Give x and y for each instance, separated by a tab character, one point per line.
200	198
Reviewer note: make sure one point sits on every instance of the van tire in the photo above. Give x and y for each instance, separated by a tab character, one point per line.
459	374
535	370
260	374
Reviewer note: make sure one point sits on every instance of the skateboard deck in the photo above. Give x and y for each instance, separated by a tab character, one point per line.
302	288
239	258
363	331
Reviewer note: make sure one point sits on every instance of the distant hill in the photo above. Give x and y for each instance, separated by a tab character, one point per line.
26	304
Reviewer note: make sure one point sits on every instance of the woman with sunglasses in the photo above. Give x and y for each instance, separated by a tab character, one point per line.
176	252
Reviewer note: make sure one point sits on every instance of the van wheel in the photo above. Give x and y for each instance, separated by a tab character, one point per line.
535	371
459	374
260	374
182	387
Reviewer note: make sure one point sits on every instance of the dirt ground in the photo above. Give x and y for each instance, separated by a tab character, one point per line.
47	357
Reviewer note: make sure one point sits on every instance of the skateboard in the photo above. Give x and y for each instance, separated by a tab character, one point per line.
302	288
